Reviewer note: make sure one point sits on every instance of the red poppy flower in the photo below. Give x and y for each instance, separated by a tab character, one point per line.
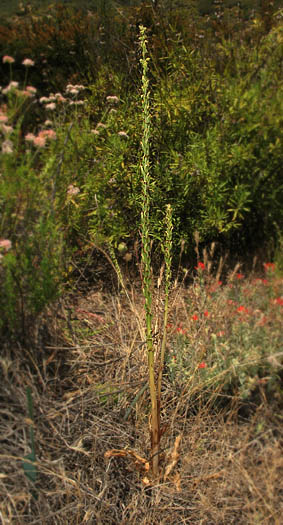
242	309
200	266
269	266
181	330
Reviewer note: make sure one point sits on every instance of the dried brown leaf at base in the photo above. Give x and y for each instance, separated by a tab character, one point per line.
139	461
174	457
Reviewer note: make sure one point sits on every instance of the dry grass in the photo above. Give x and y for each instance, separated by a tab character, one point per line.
85	368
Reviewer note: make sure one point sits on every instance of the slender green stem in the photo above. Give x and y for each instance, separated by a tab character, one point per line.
146	248
168	264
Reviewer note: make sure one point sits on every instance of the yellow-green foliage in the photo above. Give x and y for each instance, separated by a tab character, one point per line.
216	132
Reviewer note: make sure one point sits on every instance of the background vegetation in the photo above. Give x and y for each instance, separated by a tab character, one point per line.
70	194
216	87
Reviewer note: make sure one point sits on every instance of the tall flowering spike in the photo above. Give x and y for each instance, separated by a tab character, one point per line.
146	258
145	173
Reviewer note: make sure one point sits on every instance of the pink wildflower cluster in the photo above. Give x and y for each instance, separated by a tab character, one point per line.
99	126
29	91
3	118
11	86
27	62
40	139
123	134
5	244
6	130
73	190
52	100
76	102
6	59
112	99
74	89
7	146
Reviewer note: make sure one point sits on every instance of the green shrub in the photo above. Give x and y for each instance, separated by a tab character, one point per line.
215	152
218	144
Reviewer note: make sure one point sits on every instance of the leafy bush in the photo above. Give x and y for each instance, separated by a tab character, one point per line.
215	153
218	144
